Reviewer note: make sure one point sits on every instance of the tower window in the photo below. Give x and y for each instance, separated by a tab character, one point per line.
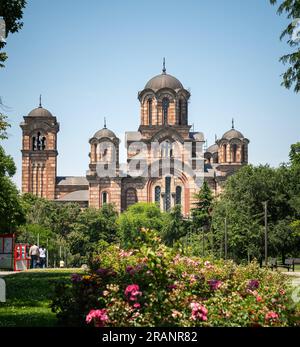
234	152
178	195
165	107
224	153
38	142
168	194
157	192
180	113
150	111
104	198
33	143
243	154
166	149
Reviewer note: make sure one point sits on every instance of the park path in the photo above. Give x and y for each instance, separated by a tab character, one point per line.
295	277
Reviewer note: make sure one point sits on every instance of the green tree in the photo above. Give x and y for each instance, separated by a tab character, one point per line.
295	155
174	227
12	13
138	216
91	228
242	201
292	75
11	210
201	213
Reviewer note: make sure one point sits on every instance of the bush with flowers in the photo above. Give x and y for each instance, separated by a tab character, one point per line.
153	285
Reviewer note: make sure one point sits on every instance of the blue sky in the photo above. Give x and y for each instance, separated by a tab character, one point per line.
90	58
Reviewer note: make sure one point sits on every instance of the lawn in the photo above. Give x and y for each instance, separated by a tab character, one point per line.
28	298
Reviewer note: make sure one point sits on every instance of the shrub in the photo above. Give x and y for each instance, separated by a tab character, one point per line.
152	285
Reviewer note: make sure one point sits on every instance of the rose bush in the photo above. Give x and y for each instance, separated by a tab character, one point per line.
154	285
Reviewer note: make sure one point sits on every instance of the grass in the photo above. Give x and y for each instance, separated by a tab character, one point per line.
28	298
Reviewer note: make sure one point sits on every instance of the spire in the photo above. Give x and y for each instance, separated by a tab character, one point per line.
164	66
232	123
40	104
216	138
104	122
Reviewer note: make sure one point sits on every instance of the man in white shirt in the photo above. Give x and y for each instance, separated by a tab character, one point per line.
42	251
34	254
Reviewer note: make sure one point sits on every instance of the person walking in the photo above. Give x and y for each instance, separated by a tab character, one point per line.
42	251
34	254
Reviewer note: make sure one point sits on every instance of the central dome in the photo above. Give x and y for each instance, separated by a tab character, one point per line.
163	80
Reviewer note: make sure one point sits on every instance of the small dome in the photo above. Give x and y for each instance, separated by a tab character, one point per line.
104	133
213	148
163	80
232	134
40	112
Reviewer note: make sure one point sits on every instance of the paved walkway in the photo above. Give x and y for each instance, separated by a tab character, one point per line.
6	273
296	277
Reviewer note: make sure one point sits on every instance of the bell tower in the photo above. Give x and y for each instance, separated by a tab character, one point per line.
39	152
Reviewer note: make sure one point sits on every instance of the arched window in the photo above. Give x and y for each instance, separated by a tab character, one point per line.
224	153
243	159
157	192
150	111
178	195
234	152
95	153
43	143
166	149
180	121
168	193
104	198
165	107
38	142
33	143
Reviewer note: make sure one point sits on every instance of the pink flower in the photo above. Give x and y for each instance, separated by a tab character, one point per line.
208	264
98	316
214	284
199	312
271	315
282	292
123	253
132	291
258	298
137	305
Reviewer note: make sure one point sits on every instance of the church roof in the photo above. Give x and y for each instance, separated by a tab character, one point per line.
71	181
233	134
40	112
104	133
163	80
78	195
213	148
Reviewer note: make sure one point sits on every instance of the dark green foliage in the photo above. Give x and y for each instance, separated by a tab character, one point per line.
11	211
291	77
174	227
12	13
241	203
201	212
138	216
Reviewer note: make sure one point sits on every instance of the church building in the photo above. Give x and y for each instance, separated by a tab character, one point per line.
167	161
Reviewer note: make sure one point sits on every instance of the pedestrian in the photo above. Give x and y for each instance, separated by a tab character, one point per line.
42	251
34	254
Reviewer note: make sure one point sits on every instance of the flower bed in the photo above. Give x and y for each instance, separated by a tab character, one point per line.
154	286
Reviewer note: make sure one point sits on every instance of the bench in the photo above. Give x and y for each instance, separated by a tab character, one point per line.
289	263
